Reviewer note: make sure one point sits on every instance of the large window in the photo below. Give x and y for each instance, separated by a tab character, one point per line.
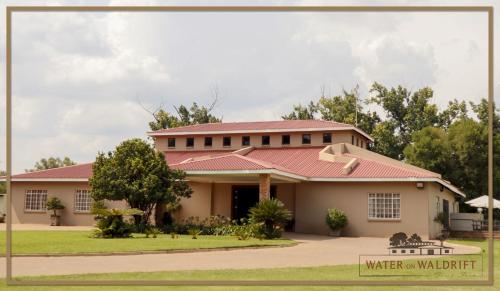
208	141
285	139
384	206
83	201
327	137
171	142
35	200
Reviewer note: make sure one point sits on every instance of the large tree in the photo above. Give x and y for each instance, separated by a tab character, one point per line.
51	163
138	174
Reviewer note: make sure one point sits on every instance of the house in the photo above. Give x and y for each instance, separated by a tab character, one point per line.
310	165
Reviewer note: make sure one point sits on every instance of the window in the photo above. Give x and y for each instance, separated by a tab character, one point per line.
226	141
352	139
357	141
403	251
384	205
36	200
190	142
266	140
362	145
83	201
306	138
285	139
245	140
208	141
327	138
446	251
171	142
393	251
412	251
438	204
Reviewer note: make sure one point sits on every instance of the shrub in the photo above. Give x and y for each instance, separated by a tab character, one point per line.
54	204
441	218
152	231
194	232
336	219
271	216
111	224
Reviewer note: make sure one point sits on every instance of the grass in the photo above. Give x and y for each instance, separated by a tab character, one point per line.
346	272
74	242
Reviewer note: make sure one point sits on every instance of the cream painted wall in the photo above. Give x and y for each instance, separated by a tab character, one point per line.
256	140
198	204
222	200
314	198
286	194
62	190
435	193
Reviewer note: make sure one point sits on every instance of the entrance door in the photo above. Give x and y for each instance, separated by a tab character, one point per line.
446	211
244	198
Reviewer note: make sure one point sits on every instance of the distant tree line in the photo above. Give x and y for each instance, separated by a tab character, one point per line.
410	127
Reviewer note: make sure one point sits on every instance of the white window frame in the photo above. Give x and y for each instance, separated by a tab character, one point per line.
35	200
384	206
82	206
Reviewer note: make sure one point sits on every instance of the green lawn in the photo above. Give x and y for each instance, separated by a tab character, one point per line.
348	272
72	242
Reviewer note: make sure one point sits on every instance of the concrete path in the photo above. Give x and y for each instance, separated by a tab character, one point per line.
312	250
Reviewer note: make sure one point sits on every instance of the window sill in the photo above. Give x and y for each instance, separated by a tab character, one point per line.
384	219
35	211
81	212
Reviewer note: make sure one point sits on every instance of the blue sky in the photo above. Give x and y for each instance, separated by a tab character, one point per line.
79	78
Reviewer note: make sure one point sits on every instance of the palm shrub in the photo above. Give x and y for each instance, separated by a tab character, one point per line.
271	216
336	219
111	223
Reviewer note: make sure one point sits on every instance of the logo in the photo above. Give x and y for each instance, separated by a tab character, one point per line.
401	244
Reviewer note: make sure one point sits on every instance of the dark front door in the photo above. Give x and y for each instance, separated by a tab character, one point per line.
446	211
244	198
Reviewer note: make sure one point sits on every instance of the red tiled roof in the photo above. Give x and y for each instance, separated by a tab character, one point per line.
303	161
258	126
81	171
173	157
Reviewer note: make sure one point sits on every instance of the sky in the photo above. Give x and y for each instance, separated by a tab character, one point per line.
81	81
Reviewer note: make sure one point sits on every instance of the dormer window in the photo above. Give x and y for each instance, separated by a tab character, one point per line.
208	141
190	142
306	138
327	137
266	140
171	142
285	139
226	141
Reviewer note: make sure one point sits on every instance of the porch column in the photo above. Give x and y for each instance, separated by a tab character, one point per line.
264	186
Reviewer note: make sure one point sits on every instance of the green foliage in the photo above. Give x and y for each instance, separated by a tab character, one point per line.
54	204
111	223
194	232
51	163
138	174
3	185
185	116
271	215
441	218
302	112
152	231
335	219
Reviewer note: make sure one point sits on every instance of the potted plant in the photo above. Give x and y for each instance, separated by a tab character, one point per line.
54	204
441	218
336	220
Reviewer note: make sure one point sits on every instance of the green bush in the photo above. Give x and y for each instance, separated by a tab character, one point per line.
111	224
336	219
271	216
152	231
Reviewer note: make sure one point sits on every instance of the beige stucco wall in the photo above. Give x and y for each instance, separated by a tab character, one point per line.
256	140
435	193
62	190
313	199
222	199
198	204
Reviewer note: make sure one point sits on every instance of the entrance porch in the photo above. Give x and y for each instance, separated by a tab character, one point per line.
233	195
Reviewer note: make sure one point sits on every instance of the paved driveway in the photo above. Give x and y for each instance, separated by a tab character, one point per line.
312	250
